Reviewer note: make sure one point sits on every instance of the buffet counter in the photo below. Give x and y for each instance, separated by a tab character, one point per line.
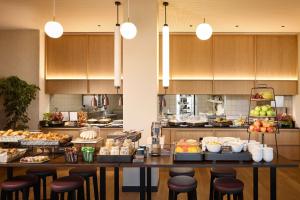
288	139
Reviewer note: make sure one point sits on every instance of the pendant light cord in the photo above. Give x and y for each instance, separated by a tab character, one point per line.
165	4
54	10
118	3
128	3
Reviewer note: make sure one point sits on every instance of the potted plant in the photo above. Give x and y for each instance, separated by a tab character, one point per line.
17	96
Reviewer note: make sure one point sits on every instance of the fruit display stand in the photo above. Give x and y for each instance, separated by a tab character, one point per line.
263	117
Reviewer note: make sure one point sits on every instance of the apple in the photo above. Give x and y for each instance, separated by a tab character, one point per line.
256	129
257	108
270	113
251	128
256	113
264	108
257	123
262	114
270	129
252	112
263	129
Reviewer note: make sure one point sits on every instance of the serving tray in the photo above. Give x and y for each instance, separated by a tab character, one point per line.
188	156
115	158
228	156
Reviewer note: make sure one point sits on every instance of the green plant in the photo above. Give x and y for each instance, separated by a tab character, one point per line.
17	95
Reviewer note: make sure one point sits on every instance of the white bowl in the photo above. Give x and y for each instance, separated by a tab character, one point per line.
236	147
214	148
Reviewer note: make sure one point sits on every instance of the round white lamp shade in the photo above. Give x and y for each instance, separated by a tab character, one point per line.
54	29
128	30
204	31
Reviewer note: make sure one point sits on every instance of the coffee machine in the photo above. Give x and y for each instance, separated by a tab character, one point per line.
155	134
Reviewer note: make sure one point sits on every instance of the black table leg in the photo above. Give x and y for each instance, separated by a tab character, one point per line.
149	183
116	182
255	183
102	183
9	172
273	183
142	183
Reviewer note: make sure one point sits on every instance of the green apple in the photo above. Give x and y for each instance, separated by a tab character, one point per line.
262	114
257	108
256	113
264	108
252	112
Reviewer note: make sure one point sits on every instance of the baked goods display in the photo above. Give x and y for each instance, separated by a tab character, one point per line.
45	139
88	135
8	155
113	147
35	159
71	154
13	136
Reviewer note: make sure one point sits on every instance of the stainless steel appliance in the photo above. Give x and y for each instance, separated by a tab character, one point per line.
155	134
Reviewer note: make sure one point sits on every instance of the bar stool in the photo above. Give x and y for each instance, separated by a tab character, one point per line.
86	173
182	184
20	184
219	172
182	171
67	184
228	186
42	175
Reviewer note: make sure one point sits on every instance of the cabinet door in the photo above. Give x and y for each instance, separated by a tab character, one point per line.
189	57
66	57
276	57
233	57
101	56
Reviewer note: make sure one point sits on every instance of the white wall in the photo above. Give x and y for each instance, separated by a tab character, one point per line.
19	56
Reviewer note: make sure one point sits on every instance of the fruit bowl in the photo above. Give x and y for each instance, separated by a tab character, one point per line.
187	146
236	147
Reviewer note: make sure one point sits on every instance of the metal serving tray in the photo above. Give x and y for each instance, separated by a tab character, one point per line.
228	156
188	156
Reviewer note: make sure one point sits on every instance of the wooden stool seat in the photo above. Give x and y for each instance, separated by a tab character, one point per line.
182	171
67	183
223	172
84	172
19	182
228	185
182	184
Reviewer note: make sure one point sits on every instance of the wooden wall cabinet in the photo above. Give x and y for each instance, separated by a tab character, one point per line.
276	57
187	87
66	57
233	57
100	56
283	87
232	87
189	57
66	86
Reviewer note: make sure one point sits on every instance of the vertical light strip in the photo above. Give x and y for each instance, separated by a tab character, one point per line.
117	57
166	56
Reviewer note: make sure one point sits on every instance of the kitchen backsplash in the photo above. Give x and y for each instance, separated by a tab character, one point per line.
234	105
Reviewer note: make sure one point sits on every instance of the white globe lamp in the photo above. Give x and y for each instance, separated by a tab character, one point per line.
54	29
204	31
128	30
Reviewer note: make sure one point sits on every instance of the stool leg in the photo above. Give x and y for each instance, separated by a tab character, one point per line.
211	189
95	185
170	194
235	196
44	179
80	193
195	194
16	195
192	195
25	194
72	195
3	195
9	195
54	196
241	196
37	191
87	182
228	196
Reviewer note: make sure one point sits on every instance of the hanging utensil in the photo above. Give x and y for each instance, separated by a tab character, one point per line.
105	100
94	102
120	102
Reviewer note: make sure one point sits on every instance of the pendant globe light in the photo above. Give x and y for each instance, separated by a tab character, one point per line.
53	28
204	31
117	53
128	29
166	50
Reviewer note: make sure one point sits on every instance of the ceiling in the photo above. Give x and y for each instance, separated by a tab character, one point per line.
183	15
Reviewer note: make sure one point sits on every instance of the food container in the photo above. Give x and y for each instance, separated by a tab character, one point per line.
213	147
88	154
71	155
